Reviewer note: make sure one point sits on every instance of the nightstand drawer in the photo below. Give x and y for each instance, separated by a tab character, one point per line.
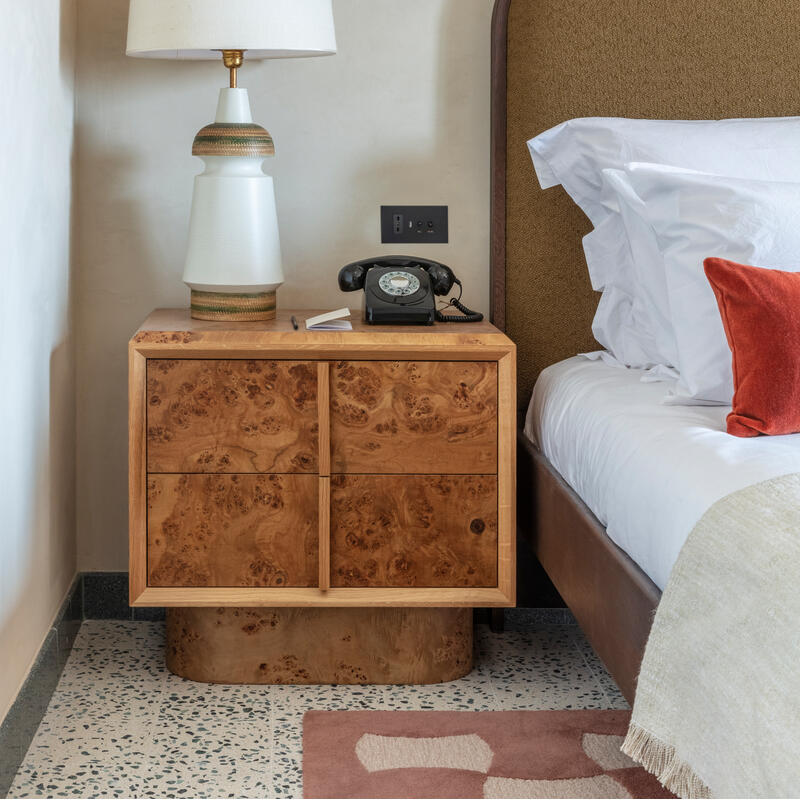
232	530
231	416
413	531
414	417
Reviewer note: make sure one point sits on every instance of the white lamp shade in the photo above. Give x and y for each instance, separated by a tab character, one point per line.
199	29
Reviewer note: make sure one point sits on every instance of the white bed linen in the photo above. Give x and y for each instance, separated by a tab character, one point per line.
648	471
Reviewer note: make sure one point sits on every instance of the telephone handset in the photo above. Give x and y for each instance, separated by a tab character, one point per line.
400	290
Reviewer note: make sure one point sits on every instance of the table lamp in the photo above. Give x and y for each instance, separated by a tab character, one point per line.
233	260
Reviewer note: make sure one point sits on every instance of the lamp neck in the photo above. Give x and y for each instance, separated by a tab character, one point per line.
234	106
233	59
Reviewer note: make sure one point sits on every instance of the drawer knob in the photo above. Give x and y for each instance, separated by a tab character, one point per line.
477	526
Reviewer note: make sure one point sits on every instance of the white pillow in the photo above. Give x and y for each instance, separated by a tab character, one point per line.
621	323
651	302
576	152
692	216
615	328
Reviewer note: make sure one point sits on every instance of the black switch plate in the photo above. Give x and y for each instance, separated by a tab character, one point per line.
414	224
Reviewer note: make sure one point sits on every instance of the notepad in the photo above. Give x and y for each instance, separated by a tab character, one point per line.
332	321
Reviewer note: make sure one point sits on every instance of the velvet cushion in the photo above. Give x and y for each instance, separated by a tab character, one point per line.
760	311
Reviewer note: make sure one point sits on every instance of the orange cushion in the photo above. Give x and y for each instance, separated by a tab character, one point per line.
760	310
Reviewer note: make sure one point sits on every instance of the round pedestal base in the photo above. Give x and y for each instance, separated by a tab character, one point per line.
319	645
233	307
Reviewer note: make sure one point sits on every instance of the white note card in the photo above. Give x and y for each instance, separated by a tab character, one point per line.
332	321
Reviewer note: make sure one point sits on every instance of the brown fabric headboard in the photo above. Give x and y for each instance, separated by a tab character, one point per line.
554	60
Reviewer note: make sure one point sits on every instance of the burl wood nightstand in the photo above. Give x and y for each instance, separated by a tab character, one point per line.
320	507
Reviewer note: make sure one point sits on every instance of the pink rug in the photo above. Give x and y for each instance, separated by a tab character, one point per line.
512	754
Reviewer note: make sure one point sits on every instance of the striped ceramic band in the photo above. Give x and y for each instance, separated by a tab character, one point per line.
233	307
233	139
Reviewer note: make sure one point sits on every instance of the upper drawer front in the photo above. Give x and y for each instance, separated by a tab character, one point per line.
414	417
231	416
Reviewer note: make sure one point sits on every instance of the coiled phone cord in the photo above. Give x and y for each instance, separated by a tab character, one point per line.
466	315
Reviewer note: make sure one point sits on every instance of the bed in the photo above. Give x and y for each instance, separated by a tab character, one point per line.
629	455
554	60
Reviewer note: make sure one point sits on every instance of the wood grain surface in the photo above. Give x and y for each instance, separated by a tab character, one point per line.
137	475
414	417
310	596
163	322
324	533
172	333
414	531
507	476
231	415
320	645
232	530
185	420
324	421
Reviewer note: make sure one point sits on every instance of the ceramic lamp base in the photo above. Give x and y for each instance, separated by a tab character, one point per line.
236	307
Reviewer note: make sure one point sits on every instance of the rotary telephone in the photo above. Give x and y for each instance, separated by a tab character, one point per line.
400	290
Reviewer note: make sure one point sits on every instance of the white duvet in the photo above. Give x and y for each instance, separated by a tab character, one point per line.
647	470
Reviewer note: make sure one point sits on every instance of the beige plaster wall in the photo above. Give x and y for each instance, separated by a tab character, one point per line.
37	402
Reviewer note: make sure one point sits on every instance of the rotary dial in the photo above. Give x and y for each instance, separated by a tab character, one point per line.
398	283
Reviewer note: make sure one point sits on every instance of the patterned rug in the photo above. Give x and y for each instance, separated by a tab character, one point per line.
494	754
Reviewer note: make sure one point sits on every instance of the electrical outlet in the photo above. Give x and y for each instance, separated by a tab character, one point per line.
414	224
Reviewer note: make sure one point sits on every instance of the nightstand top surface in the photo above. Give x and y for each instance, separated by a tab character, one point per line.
175	327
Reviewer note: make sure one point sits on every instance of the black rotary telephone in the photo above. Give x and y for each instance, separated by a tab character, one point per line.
399	290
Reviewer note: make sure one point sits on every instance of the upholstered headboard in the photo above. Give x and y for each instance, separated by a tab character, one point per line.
558	59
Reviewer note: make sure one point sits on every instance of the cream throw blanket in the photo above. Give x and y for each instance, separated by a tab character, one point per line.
717	709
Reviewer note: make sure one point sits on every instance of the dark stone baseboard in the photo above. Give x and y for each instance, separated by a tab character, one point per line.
105	596
23	718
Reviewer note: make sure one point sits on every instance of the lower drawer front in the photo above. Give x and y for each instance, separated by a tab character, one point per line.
232	530
414	530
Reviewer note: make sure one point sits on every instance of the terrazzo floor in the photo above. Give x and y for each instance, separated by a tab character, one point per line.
120	725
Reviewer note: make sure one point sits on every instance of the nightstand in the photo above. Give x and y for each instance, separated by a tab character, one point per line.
320	507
